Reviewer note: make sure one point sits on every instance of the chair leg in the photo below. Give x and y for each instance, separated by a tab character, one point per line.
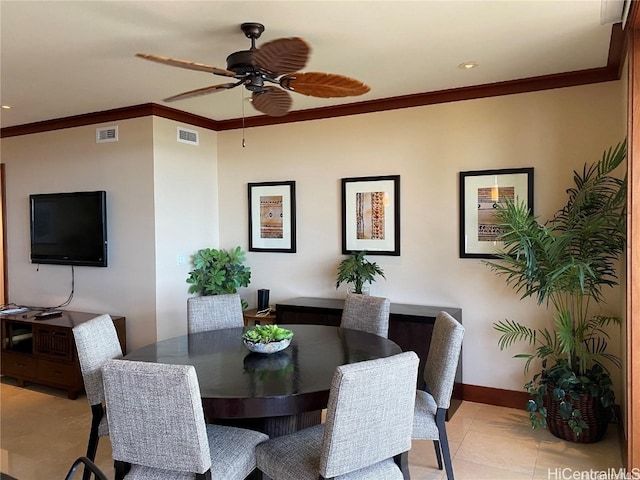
122	468
258	475
97	412
402	460
436	445
441	415
88	465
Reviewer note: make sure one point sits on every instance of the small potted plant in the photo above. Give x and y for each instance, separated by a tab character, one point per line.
218	272
565	263
267	338
356	270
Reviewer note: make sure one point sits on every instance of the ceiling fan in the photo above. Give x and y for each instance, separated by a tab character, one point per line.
275	62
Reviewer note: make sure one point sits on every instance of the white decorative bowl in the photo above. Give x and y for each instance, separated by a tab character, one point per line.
271	347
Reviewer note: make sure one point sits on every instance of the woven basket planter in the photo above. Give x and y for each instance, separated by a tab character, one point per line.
593	413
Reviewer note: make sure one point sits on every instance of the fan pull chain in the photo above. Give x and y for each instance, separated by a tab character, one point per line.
242	97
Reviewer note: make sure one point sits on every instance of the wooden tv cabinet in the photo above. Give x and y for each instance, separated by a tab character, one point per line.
410	326
43	350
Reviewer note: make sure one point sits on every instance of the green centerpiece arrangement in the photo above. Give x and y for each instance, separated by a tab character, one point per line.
267	338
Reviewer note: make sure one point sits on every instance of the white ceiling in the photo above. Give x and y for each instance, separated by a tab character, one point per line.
64	58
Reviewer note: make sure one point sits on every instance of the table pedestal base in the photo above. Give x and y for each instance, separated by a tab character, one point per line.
276	426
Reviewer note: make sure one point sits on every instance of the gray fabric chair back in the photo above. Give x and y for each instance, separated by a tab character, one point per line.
155	415
442	361
369	414
366	313
212	312
96	342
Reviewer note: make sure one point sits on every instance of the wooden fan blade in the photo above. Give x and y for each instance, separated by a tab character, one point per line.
272	101
202	91
175	62
284	55
324	85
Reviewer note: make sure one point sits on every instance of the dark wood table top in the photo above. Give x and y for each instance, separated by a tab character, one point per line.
236	383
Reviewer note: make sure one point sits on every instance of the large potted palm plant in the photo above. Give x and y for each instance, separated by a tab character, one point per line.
565	264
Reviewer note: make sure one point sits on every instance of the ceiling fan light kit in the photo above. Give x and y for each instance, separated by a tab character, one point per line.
278	62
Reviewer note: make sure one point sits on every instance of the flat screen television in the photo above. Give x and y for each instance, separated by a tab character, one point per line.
69	228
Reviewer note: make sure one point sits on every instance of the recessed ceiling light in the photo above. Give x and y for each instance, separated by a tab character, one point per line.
468	65
6	107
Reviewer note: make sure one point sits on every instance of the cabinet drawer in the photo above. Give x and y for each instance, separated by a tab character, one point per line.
23	366
57	372
53	342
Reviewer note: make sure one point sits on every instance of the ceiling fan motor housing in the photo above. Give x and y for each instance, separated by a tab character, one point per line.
242	64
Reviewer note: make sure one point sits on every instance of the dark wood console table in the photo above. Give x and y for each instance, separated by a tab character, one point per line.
410	326
44	351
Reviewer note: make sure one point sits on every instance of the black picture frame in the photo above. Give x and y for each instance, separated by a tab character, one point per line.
377	230
480	192
267	202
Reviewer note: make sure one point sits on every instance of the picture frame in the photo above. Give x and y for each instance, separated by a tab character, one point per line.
480	193
371	215
272	217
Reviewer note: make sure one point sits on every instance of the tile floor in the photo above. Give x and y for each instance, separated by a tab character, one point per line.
42	433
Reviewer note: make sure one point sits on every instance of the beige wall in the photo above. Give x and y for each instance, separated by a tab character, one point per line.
70	160
161	203
186	213
167	200
554	132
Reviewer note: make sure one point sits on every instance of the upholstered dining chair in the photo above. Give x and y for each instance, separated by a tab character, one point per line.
96	342
367	433
158	428
366	313
433	400
212	312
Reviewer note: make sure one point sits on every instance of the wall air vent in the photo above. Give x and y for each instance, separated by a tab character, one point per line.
188	136
107	134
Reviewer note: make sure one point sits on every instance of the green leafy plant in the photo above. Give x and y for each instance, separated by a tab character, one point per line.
218	272
564	385
267	334
356	270
565	263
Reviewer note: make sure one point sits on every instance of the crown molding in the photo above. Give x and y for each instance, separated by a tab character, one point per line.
613	70
135	111
560	80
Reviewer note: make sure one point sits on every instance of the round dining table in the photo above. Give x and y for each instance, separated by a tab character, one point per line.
277	393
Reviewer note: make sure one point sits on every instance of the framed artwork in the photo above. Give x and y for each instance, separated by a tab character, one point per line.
371	215
272	217
480	194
